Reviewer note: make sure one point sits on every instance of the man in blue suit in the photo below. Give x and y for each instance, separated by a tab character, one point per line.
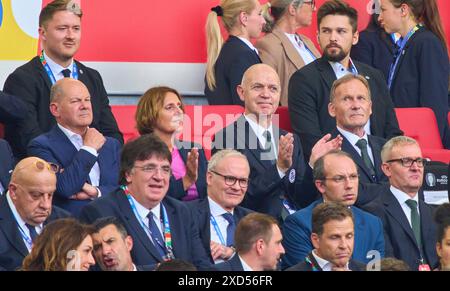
25	209
162	227
280	178
351	106
6	165
258	245
219	213
410	232
89	161
336	178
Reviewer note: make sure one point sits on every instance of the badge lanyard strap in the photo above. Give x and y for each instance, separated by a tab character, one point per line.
25	237
49	71
307	48
167	233
217	229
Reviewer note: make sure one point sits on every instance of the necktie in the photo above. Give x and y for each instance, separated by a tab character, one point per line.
66	73
32	229
298	40
415	220
362	145
269	150
157	238
230	228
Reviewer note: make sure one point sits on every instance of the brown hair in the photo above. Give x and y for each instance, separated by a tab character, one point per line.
328	211
425	11
338	7
149	105
51	247
58	5
251	228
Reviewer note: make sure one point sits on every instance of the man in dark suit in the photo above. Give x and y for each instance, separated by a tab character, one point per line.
219	213
309	87
32	81
410	232
336	177
351	106
332	235
258	245
6	165
12	108
280	179
89	161
162	227
25	209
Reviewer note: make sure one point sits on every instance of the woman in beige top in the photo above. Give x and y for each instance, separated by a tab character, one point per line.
282	48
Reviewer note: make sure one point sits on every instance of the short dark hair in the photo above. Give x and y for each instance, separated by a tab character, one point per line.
140	149
58	5
393	264
251	228
442	218
103	222
338	7
319	164
176	265
326	212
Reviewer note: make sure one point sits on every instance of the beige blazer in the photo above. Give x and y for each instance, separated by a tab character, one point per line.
276	50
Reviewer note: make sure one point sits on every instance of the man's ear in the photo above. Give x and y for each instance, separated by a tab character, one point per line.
331	110
129	243
54	110
240	92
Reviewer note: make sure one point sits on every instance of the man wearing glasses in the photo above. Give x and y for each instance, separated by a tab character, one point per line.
26	209
336	178
162	227
408	221
219	213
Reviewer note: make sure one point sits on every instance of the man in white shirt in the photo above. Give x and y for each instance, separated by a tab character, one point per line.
258	245
89	161
332	235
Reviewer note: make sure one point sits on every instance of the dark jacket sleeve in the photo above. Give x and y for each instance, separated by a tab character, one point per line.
12	109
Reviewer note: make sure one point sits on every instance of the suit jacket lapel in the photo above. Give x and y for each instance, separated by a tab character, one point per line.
290	50
248	138
10	228
376	150
40	68
175	230
62	146
347	147
326	72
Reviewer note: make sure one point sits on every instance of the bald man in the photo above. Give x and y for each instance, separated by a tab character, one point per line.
25	209
88	160
280	178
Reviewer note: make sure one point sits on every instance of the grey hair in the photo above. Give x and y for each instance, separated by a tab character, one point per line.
220	155
394	142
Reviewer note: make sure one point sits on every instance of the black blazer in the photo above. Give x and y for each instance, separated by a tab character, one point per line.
232	265
399	237
12	109
309	95
176	189
31	83
421	77
201	211
184	230
305	266
234	59
12	248
375	48
375	143
266	187
7	163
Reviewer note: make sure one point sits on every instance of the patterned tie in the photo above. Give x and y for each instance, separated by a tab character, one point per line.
32	229
269	150
66	73
157	238
415	220
362	145
230	228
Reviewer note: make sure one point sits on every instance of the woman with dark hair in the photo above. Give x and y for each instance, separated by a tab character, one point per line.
161	111
419	75
63	245
442	218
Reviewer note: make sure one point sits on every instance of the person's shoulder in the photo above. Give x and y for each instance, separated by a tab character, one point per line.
301	215
267	40
58	212
28	69
369	217
308	71
302	266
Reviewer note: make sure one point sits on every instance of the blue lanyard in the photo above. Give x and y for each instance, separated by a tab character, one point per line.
49	71
217	229
398	54
167	233
25	237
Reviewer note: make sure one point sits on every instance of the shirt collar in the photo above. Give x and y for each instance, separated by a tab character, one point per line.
248	43
55	67
351	137
338	68
216	209
258	129
402	196
244	265
324	264
70	134
20	221
143	211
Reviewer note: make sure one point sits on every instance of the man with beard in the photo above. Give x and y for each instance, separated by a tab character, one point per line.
309	87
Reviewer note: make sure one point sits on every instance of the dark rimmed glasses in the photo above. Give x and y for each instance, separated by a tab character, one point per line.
408	162
231	180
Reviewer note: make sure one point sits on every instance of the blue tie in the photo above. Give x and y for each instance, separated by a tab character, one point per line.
230	228
157	238
32	229
66	73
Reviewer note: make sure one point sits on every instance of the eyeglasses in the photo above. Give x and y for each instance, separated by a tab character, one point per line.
41	165
230	180
341	178
165	170
312	3
408	162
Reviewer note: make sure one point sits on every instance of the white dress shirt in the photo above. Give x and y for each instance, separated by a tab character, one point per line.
56	68
222	223
21	223
324	264
142	211
300	46
249	44
353	139
401	198
246	267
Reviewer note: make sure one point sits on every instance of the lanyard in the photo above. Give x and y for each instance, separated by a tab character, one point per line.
25	237
398	54
299	40
49	71
167	234
313	263
217	229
